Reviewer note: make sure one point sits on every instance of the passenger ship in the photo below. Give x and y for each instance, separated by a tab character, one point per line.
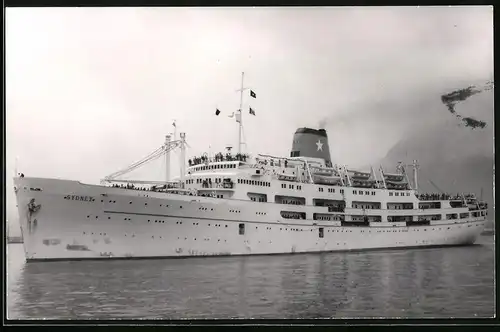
232	204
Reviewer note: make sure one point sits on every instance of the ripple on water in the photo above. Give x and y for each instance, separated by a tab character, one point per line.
445	282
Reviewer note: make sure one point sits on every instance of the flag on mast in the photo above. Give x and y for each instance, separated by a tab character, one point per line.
173	124
231	116
252	111
217	112
238	117
252	94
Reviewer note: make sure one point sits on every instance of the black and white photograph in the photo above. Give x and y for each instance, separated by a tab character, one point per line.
249	163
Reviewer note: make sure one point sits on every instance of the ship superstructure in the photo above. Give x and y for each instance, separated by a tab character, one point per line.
235	204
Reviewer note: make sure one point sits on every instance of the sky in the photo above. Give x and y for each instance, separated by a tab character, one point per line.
92	90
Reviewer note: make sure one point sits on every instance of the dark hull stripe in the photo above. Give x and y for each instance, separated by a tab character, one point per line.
282	223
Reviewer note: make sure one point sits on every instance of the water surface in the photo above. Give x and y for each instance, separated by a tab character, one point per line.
438	282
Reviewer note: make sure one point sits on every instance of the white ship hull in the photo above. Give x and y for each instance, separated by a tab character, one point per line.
79	221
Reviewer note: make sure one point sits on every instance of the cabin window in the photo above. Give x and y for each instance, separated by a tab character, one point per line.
241	229
341	191
360	192
354	192
397	194
320	189
321	232
367	193
390	193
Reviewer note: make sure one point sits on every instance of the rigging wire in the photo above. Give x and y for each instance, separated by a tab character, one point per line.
152	156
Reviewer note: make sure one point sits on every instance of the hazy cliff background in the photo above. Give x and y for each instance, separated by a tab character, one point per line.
456	158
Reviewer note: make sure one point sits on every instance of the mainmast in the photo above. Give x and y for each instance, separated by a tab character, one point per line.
183	157
415	172
238	116
167	158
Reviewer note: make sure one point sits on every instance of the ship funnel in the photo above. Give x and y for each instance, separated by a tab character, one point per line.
312	143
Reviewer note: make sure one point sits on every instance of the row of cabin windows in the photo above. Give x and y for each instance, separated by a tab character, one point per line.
254	182
220	166
396	193
291	186
317	216
293	215
241	230
404	206
360	192
259	199
367	206
330	190
200	180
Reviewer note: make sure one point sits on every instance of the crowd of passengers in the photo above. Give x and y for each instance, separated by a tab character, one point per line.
443	197
131	186
218	157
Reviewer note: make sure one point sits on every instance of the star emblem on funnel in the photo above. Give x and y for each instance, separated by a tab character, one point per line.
319	145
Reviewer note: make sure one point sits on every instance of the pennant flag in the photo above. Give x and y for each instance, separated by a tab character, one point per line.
252	111
173	124
252	94
217	112
232	115
238	117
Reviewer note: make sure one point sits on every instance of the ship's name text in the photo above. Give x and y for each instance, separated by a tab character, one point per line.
79	198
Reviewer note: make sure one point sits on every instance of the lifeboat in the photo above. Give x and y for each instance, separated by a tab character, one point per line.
357	175
322	171
394	177
364	184
321	179
391	185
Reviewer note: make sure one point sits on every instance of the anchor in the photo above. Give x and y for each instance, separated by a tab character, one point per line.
33	208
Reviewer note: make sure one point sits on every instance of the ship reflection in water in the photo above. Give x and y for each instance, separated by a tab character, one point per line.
442	282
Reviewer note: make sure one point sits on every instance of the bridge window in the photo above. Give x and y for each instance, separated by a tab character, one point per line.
354	192
321	232
241	229
390	193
